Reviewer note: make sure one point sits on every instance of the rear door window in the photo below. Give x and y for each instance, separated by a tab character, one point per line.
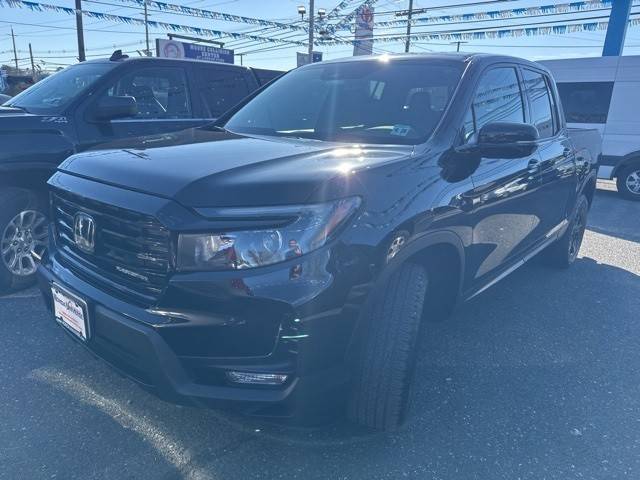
265	76
541	103
585	102
222	88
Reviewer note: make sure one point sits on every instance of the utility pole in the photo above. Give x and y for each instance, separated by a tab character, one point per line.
311	20
241	55
15	52
146	28
80	31
410	14
458	43
33	66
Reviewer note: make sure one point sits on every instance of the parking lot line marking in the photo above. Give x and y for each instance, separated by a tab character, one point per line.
166	445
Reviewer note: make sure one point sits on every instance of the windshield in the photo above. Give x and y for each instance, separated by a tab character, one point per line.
54	93
391	102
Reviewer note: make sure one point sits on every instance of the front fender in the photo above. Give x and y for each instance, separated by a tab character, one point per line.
28	159
421	242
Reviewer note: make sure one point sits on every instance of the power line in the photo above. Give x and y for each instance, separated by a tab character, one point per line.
401	13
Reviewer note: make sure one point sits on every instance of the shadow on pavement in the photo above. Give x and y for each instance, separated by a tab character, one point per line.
615	216
534	379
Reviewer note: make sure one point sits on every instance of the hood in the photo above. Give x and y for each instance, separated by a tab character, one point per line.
204	168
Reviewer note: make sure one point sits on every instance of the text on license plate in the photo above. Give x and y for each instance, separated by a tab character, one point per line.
70	311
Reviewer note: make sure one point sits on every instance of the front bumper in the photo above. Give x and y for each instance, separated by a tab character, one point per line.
165	349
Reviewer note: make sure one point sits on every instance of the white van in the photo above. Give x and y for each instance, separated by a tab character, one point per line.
604	93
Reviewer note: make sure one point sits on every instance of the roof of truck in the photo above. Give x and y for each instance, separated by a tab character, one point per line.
450	56
127	59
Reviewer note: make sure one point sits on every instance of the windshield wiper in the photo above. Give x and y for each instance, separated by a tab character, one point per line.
212	127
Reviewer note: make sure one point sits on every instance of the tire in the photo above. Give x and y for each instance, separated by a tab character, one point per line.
628	182
23	228
564	251
384	362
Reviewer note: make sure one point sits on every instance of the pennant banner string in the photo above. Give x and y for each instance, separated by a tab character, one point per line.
490	34
225	17
559	8
172	27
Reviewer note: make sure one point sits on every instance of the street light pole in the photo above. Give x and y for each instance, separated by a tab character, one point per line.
80	31
311	27
146	29
410	14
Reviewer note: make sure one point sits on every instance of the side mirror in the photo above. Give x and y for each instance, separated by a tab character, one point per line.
110	108
507	140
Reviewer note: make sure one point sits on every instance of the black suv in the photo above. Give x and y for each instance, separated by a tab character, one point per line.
84	106
285	259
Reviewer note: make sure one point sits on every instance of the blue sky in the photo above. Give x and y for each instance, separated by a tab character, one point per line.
52	35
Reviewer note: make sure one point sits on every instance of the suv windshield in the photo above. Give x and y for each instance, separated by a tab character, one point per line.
54	93
380	101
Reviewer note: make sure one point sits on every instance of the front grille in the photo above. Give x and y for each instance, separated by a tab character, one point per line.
132	250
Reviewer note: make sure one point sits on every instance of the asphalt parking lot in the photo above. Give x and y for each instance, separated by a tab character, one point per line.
537	378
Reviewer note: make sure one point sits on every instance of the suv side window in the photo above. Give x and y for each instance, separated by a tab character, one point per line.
222	88
160	92
586	102
541	103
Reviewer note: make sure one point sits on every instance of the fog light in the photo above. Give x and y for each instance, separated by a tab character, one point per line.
257	378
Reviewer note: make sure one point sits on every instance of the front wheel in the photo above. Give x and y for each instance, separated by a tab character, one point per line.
628	182
385	358
23	233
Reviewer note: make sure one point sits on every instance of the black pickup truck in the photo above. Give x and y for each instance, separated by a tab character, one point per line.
286	258
84	106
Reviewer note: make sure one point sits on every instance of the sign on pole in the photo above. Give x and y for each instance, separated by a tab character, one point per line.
363	44
175	49
303	58
3	80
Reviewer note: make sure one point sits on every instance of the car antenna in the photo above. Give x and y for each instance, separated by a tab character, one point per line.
118	55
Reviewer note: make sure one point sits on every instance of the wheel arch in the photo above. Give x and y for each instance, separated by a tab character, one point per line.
628	159
32	176
432	249
419	250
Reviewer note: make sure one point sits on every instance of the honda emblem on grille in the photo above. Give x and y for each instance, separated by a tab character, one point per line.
84	232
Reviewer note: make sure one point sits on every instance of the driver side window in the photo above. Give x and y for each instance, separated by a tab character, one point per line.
160	93
498	98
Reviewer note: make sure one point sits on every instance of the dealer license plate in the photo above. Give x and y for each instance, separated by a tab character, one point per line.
70	311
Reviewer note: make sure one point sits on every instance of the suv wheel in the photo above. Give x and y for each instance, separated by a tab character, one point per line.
23	231
564	251
385	360
628	182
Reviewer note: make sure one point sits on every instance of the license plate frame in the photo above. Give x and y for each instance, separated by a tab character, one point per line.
70	311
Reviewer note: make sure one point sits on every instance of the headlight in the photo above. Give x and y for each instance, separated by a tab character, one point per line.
305	228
